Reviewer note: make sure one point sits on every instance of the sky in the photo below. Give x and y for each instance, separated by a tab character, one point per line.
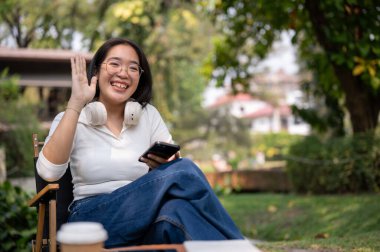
282	57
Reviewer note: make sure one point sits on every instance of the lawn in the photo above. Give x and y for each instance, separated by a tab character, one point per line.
283	222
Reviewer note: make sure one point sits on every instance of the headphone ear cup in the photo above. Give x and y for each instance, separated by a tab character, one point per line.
132	113
96	113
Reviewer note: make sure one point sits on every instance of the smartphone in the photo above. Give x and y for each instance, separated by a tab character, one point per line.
161	149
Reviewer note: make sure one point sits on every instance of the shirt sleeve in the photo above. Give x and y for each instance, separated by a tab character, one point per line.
46	169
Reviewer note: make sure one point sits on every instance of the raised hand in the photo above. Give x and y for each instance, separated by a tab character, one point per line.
81	91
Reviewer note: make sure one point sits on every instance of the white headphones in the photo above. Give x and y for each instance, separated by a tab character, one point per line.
96	113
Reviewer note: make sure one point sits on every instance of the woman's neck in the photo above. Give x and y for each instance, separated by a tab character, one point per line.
115	117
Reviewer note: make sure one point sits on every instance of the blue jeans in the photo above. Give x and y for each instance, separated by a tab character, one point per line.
170	204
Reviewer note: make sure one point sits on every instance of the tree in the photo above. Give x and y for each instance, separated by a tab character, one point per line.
51	24
171	33
345	33
175	40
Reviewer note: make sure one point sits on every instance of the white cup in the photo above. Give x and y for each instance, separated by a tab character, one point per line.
82	237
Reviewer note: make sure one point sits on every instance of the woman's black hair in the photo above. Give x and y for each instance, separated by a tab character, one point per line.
143	93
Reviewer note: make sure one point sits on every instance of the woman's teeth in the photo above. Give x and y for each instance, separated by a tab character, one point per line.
120	85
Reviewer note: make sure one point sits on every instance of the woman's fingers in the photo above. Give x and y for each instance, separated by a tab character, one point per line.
78	65
73	71
94	79
82	92
82	65
151	163
177	155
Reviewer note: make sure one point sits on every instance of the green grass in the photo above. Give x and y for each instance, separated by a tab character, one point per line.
317	223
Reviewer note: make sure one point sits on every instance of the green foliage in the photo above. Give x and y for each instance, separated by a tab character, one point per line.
8	91
327	116
337	165
223	135
50	24
228	136
338	41
18	222
275	146
19	121
173	35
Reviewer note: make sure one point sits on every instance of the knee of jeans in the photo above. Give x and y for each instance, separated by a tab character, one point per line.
188	166
166	231
176	204
175	209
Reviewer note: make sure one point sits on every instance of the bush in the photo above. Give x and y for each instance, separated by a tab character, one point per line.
339	165
18	222
19	120
273	145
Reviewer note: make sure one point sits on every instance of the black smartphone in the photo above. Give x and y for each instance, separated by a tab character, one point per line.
161	149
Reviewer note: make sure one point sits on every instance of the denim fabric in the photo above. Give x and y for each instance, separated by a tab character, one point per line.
170	204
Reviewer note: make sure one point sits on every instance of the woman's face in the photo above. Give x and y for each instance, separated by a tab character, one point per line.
119	75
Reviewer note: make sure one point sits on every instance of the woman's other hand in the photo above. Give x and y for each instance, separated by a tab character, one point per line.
154	161
81	92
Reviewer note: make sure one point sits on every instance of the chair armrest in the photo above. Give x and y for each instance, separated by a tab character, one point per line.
153	247
45	194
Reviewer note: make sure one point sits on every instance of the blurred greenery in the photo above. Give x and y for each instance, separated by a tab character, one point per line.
173	34
337	41
336	165
19	120
18	222
275	145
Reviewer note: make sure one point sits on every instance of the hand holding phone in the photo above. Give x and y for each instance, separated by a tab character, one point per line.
161	149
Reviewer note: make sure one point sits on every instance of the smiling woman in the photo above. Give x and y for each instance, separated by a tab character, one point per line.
107	126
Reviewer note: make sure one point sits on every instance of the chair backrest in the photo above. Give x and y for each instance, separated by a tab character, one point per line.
64	194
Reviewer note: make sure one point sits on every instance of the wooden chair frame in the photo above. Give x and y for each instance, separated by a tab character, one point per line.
47	197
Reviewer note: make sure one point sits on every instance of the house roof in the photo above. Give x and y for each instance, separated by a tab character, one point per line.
35	55
228	99
268	111
39	67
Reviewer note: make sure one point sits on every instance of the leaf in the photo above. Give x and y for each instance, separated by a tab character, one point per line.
358	70
358	60
322	236
371	70
272	209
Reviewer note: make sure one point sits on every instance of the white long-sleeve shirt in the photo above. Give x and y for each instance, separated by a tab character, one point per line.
101	162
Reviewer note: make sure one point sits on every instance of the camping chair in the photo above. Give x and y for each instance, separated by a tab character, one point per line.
52	201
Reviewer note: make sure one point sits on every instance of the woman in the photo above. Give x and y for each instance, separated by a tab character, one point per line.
103	141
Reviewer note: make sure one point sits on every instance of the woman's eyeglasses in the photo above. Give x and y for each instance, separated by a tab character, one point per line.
115	67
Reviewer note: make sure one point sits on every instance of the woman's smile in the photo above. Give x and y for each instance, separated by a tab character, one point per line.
120	84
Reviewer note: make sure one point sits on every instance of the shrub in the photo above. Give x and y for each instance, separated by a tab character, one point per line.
18	222
338	165
273	145
19	120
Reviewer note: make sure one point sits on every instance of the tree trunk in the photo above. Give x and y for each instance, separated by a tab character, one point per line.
362	103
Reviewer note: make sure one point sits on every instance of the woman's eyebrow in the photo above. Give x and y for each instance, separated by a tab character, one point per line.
120	59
